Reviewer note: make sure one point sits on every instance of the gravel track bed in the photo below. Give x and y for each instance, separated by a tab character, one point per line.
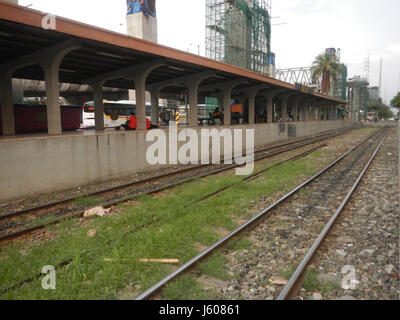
281	241
366	235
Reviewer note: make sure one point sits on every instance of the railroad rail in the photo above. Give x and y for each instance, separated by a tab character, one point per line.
294	281
249	178
381	134
125	193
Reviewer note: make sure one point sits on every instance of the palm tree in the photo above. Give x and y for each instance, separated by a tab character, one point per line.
326	67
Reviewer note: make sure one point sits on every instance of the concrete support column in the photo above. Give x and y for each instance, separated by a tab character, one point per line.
301	111
226	100
140	87
98	105
270	109
334	113
296	110
155	111
193	91
284	109
318	112
306	111
139	77
252	114
51	66
270	103
251	94
7	104
53	98
325	112
285	102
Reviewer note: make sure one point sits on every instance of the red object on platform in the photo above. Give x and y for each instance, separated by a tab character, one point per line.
33	118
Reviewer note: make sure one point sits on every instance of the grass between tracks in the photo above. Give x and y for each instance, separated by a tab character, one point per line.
107	266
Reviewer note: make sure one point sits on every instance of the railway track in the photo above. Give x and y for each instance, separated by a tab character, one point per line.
294	284
339	177
249	178
12	228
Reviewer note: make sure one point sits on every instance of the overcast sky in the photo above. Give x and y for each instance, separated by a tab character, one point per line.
358	27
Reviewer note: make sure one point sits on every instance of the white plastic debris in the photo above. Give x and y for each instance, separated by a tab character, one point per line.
96	211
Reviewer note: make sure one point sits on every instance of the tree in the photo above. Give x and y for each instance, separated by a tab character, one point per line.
326	67
395	103
382	110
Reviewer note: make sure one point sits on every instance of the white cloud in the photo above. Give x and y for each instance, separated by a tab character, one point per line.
394	47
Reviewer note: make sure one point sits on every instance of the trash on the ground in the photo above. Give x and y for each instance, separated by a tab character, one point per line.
96	211
92	233
278	280
160	260
146	260
317	296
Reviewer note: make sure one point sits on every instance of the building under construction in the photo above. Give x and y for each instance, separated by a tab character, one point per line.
358	96
238	32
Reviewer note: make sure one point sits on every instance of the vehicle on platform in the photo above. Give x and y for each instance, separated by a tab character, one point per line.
116	113
32	118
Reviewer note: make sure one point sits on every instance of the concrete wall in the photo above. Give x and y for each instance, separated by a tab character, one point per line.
30	166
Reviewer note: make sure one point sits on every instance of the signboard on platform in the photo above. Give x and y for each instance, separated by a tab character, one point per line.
211	103
237	108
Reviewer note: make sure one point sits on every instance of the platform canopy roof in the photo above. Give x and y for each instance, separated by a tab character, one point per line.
103	51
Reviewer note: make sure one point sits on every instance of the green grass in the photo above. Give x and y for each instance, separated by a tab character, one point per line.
171	231
310	281
185	288
87	201
239	244
215	267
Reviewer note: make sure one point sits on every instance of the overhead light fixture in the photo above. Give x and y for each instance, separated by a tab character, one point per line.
176	68
67	70
5	34
106	54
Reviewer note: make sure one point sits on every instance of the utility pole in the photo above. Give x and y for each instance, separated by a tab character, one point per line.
380	80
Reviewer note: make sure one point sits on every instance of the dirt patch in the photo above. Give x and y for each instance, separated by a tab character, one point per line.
221	232
211	283
159	195
200	247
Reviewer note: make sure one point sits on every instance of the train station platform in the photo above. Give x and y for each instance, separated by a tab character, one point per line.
79	54
35	164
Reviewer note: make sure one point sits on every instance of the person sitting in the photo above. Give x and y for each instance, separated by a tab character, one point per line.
217	115
130	124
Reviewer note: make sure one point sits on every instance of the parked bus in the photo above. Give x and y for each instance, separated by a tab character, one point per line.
116	113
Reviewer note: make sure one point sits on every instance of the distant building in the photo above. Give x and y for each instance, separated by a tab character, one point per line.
373	94
357	95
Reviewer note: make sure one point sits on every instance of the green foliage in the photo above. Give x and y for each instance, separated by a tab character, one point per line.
215	267
185	288
395	103
323	63
382	110
325	67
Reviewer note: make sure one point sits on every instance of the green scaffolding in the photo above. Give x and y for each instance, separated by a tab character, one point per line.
238	32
